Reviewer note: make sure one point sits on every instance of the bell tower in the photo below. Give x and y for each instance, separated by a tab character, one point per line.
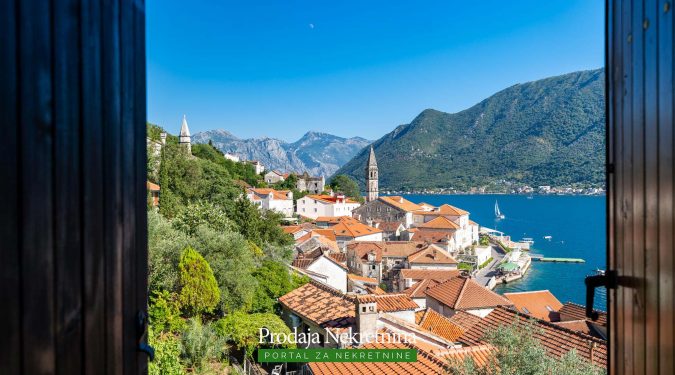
371	177
184	136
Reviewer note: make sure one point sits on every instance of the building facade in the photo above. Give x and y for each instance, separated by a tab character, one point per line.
314	206
372	189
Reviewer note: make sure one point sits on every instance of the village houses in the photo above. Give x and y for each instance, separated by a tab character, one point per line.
280	201
314	206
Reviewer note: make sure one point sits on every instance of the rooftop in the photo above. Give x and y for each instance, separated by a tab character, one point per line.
461	293
556	340
540	304
573	311
440	325
431	255
321	304
401	203
440	222
438	275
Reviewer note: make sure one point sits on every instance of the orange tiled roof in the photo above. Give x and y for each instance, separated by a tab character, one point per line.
328	219
321	304
419	288
304	260
440	222
440	325
445	209
401	249
328	233
375	290
557	340
361	249
573	311
339	257
576	325
461	293
329	199
438	275
465	320
389	302
363	279
541	304
350	227
482	355
389	226
432	255
263	192
152	186
431	237
290	229
427	363
401	203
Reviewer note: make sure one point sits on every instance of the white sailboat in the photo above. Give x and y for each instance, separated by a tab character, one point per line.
498	214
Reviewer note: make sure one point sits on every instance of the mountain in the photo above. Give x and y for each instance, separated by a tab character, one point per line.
546	132
316	153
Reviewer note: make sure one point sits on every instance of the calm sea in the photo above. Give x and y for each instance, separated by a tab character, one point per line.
577	227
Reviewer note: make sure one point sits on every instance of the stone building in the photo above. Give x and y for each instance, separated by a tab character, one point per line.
184	136
371	177
311	184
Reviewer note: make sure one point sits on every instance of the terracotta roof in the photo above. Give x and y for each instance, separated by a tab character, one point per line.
151	186
375	290
389	226
573	311
350	227
389	302
461	293
401	249
419	288
427	363
329	199
432	255
419	315
311	241
482	355
361	250
363	279
576	325
440	325
440	222
328	219
401	203
290	229
339	257
431	237
445	209
465	320
328	233
277	194
321	304
556	340
541	304
306	259
438	275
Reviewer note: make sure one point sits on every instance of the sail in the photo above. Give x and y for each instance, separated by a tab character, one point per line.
497	212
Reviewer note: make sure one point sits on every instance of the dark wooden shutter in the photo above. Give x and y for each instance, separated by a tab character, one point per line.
73	258
640	190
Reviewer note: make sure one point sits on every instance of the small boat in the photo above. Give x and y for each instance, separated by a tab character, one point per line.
548	237
498	214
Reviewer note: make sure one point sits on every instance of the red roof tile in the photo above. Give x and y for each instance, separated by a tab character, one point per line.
421	274
541	304
573	311
432	255
440	222
440	325
465	320
461	293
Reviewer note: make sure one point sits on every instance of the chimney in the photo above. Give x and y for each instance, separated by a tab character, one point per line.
366	319
434	253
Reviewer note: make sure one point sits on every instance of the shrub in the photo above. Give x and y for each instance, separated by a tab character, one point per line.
200	345
167	354
199	289
164	312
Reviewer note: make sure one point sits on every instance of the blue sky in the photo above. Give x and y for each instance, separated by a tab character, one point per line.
280	68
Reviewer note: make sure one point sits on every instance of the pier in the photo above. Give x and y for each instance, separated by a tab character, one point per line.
541	258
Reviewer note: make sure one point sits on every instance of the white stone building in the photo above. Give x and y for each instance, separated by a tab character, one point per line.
314	206
269	199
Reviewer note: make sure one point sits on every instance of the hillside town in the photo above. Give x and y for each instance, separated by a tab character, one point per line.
384	265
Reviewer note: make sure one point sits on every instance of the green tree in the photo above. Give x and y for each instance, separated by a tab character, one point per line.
201	345
165	245
347	186
164	312
232	261
244	330
274	280
202	213
199	290
167	354
519	352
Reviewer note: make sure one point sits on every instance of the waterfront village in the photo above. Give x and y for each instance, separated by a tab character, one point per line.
382	265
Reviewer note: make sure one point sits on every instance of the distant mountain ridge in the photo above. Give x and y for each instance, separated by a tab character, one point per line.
317	153
545	132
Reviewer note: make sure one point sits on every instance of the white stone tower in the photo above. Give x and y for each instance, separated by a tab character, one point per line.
371	177
366	319
184	137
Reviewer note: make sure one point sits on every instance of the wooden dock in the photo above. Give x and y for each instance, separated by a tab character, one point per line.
559	260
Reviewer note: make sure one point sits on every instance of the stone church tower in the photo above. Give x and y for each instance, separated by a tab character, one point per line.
184	137
371	177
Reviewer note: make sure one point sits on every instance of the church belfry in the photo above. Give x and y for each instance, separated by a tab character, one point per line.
371	177
184	137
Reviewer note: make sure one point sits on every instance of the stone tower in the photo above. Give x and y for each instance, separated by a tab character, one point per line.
366	319
184	137
371	177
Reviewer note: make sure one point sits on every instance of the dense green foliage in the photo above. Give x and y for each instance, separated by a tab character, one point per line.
518	352
346	185
244	329
274	281
546	132
206	242
199	291
167	354
201	345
